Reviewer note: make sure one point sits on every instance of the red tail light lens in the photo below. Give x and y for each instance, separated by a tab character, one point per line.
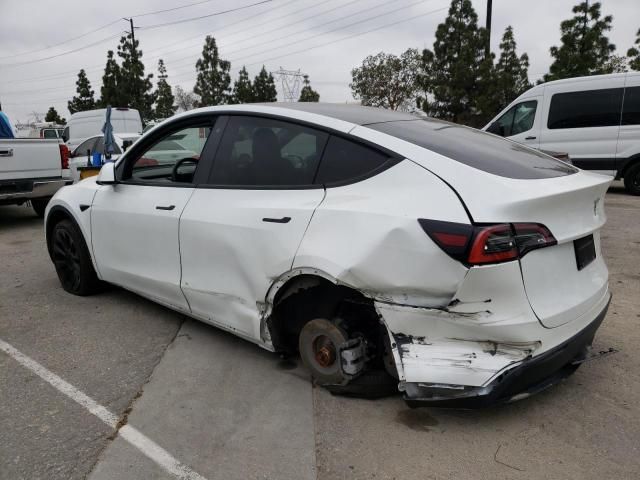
487	244
64	156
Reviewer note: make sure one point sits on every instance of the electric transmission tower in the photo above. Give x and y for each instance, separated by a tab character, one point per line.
291	81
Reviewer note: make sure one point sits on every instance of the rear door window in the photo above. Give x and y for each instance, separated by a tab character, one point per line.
590	108
266	152
631	108
87	145
345	161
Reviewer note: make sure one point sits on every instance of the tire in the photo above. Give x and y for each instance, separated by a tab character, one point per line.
72	260
632	179
39	205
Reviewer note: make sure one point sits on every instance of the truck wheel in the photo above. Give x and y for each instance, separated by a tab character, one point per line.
632	179
39	205
71	259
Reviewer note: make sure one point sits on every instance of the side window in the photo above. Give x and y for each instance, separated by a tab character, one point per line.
592	108
100	147
631	108
81	150
517	119
267	152
502	126
523	117
172	158
49	133
344	160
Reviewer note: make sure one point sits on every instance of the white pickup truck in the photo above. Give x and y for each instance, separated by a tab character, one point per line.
32	169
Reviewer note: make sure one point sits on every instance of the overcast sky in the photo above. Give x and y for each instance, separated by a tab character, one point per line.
324	38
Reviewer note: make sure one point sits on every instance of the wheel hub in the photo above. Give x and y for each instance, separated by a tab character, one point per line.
324	351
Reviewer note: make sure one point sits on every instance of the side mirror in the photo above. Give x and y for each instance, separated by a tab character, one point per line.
107	175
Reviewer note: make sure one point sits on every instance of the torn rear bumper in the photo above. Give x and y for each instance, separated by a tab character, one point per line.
529	377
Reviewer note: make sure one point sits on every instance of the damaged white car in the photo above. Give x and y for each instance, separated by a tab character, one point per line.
463	268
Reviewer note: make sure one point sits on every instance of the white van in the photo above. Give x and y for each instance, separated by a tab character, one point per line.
83	125
595	119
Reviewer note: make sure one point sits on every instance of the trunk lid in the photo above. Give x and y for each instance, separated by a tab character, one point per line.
27	158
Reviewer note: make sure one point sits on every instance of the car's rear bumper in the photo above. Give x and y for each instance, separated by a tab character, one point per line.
529	377
25	189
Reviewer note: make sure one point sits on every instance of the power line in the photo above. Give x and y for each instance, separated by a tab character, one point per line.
200	17
102	28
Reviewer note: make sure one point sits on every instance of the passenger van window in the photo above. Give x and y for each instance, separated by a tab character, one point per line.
631	108
50	134
517	119
344	160
259	151
592	108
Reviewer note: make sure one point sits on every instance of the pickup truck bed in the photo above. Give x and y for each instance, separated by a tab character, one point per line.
32	169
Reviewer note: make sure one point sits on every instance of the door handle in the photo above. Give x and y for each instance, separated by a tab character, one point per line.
6	153
529	138
168	207
277	220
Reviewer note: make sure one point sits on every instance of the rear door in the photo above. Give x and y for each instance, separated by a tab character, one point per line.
240	230
629	139
584	122
521	122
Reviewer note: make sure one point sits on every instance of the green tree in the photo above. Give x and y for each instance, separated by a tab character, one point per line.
52	116
264	87
457	75
308	94
164	97
134	86
511	71
84	99
212	84
634	54
615	64
386	80
185	101
242	88
584	49
110	93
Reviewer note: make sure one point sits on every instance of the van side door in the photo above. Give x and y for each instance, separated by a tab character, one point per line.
629	138
584	121
520	122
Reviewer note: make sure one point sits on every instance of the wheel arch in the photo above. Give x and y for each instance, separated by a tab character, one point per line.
56	214
630	162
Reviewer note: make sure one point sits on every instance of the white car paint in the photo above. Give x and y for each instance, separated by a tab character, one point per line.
82	125
449	323
605	149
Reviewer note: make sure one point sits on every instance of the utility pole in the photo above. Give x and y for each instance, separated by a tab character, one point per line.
134	60
290	80
488	47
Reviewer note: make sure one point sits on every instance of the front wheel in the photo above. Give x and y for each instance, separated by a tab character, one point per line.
632	179
71	259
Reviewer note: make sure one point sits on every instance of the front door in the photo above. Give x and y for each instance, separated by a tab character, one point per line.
241	231
135	222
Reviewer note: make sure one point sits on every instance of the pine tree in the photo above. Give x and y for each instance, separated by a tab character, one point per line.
457	73
84	99
585	50
386	80
164	97
308	94
212	84
242	88
264	87
110	93
634	54
53	117
134	86
511	71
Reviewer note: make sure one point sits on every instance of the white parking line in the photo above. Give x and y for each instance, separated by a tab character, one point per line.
136	438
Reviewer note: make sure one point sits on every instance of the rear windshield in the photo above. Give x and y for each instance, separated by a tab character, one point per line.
477	149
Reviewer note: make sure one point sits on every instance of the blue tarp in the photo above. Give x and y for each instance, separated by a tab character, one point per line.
5	127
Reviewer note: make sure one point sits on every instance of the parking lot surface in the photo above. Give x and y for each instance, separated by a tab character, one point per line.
223	408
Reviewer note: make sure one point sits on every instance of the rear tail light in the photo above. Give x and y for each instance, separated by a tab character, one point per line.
485	244
64	156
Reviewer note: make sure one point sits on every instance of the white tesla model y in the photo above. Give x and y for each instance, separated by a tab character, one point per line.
462	267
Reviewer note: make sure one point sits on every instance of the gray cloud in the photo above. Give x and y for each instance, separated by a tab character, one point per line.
255	36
